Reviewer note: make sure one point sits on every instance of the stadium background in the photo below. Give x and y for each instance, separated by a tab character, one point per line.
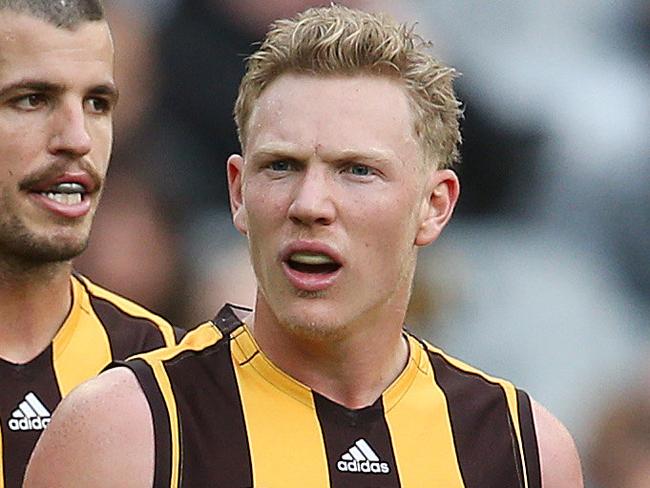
543	277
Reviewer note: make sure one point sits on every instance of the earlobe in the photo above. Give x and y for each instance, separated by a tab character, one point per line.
438	205
235	171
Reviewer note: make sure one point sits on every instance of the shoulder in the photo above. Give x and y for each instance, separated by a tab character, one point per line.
105	422
211	335
463	375
118	312
200	339
560	463
541	435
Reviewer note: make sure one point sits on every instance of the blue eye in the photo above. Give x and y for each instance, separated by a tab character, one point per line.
281	166
360	170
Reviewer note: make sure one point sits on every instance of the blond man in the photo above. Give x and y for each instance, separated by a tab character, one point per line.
348	132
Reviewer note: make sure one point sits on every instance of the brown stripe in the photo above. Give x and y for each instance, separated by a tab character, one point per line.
179	333
17	380
162	434
127	335
484	439
342	428
529	440
211	418
227	319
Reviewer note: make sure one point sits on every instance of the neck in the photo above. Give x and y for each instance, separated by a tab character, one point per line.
352	366
34	302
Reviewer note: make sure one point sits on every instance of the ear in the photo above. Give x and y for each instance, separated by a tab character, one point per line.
439	200
235	172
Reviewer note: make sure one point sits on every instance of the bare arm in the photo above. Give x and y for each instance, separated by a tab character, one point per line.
101	435
559	459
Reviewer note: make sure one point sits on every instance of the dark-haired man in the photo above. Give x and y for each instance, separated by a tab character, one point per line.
57	329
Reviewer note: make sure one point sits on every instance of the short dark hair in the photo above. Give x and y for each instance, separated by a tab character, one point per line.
62	13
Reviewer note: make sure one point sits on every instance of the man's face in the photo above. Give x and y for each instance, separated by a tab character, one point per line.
56	99
334	199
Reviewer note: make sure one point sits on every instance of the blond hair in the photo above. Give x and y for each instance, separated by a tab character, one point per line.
338	40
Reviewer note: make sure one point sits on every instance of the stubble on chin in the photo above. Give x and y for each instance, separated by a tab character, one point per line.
23	249
314	329
311	294
310	327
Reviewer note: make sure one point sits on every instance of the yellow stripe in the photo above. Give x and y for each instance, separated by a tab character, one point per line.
199	338
421	419
286	444
83	340
167	393
131	308
511	396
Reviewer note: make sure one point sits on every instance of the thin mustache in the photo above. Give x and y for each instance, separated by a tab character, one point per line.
57	168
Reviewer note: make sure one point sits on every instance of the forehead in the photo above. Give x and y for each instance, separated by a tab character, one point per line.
357	112
33	48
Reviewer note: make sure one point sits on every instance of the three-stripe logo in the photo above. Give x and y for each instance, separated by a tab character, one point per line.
360	458
30	414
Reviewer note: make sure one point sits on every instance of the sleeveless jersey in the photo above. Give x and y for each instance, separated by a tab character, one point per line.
225	416
100	327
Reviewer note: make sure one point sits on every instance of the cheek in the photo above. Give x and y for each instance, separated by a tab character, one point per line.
265	207
102	144
18	158
261	217
387	233
384	234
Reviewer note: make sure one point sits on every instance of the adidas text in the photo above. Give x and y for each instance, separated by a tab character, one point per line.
28	424
30	414
363	467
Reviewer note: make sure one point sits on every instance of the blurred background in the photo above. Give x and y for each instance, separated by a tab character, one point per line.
543	276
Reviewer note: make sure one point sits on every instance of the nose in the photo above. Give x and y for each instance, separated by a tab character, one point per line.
69	131
313	199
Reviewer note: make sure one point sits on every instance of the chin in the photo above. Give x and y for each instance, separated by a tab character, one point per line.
313	320
316	328
62	251
35	249
312	314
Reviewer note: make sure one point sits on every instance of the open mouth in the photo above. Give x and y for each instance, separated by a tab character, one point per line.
312	263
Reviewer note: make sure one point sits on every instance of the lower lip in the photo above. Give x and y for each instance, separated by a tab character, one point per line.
310	281
62	210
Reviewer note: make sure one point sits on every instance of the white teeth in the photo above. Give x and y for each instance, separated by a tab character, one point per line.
66	193
68	188
311	258
65	198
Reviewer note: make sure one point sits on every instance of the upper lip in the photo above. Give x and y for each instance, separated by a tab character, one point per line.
46	182
313	247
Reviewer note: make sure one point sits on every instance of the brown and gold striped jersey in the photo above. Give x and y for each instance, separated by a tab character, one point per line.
100	327
225	416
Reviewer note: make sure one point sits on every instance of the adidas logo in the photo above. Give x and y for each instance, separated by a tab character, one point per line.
31	414
360	458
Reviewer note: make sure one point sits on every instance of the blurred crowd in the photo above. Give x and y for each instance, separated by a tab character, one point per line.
543	277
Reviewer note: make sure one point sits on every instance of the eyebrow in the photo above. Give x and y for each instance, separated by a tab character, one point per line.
365	155
41	86
293	151
106	89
